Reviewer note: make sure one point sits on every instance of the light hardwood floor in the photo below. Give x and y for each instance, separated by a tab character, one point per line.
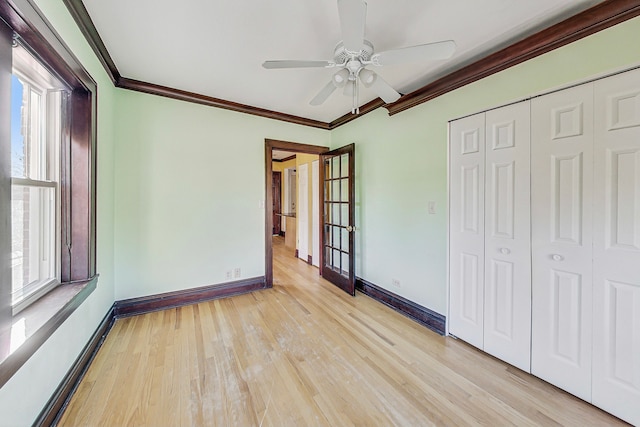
305	354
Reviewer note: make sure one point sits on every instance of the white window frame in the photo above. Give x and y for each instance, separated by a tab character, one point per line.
37	80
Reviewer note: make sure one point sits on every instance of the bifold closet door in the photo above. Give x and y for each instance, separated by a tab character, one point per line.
561	224
616	268
507	284
466	229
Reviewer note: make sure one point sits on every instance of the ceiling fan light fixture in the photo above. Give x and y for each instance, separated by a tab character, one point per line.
367	77
341	77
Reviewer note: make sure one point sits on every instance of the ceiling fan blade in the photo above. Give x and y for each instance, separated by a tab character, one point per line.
323	94
353	14
380	87
438	50
270	65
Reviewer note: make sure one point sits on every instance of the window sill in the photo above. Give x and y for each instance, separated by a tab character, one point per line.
35	324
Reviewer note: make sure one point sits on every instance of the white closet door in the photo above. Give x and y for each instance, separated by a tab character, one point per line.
507	289
466	229
561	224
616	273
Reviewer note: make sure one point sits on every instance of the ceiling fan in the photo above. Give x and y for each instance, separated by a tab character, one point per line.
354	53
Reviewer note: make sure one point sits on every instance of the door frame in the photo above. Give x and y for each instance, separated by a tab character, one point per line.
269	146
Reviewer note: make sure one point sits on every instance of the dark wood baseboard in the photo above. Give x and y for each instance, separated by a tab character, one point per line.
53	410
422	315
51	413
297	254
135	306
310	260
283	233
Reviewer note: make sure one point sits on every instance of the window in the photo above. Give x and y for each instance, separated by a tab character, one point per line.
47	183
37	120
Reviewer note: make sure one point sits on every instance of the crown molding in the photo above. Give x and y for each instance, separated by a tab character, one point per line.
366	108
583	24
182	95
88	29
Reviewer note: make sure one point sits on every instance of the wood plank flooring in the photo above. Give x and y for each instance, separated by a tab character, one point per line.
305	354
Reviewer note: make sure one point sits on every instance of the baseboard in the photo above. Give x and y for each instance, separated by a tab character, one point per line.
422	315
52	411
135	306
310	260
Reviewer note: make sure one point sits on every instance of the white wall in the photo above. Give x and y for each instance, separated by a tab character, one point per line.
401	163
24	395
189	183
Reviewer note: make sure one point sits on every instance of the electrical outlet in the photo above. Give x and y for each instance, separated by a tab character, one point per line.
229	275
431	206
236	272
395	283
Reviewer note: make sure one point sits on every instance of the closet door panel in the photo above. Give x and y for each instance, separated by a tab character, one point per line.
616	274
466	229
561	233
507	296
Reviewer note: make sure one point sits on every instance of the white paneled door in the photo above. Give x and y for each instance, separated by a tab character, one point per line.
561	199
616	268
507	248
466	229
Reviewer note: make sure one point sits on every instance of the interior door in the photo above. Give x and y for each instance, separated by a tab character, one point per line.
616	246
507	251
466	229
561	200
338	217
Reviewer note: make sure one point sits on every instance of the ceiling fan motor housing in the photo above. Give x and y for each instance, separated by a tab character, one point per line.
342	56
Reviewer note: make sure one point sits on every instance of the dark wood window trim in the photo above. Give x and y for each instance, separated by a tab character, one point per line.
77	189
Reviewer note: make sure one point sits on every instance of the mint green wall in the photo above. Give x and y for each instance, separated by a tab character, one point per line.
189	183
401	162
24	395
180	186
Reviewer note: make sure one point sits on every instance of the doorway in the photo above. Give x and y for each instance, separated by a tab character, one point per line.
334	191
270	218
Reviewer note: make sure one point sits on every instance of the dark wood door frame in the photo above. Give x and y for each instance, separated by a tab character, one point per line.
269	146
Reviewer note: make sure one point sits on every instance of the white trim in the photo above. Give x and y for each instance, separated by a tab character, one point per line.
26	182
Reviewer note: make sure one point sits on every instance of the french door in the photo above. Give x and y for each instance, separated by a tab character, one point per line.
338	217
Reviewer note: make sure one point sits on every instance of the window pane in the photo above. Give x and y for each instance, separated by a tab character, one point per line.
17	139
335	191
335	167
336	260
344	244
344	166
345	265
32	238
344	190
345	214
335	215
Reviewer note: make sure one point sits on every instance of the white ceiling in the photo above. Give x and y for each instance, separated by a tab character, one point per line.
216	47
